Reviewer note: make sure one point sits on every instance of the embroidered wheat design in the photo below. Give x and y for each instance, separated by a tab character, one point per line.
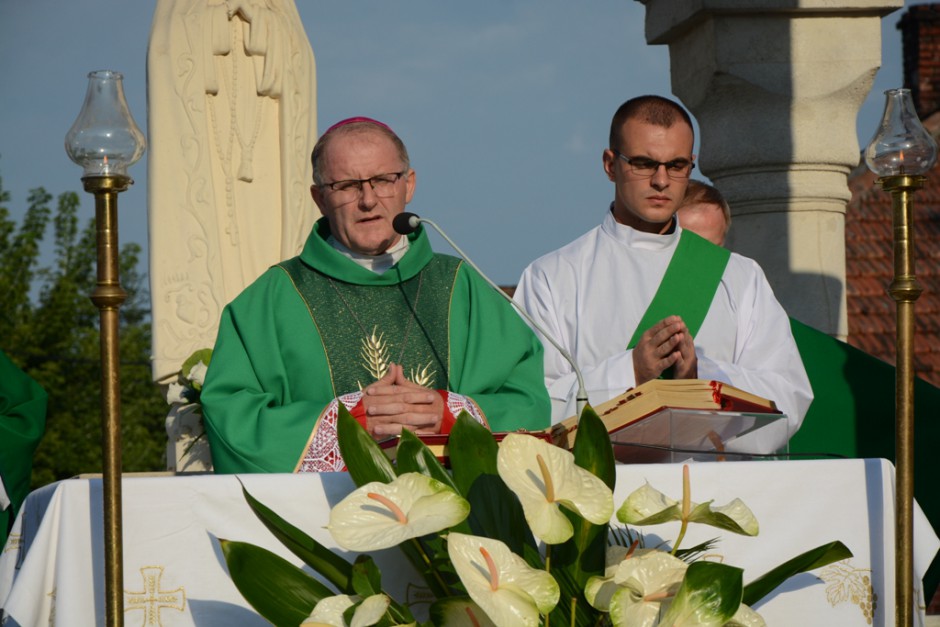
423	377
374	354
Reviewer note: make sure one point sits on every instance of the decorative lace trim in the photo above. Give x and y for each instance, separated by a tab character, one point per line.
322	455
457	403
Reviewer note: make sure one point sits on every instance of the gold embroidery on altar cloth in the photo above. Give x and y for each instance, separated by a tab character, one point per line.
152	599
52	606
847	584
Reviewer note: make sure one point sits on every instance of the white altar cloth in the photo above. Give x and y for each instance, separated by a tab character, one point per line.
52	568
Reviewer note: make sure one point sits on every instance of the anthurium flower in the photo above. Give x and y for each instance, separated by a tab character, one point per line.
511	592
544	477
329	611
746	617
636	588
648	506
459	612
381	515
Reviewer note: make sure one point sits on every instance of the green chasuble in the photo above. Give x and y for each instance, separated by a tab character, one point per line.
310	329
22	423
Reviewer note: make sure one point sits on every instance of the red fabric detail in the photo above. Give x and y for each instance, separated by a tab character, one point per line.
448	419
359	413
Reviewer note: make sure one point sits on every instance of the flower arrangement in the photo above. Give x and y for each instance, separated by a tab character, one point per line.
460	531
188	385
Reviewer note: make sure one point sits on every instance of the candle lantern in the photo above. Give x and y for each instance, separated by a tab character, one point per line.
900	153
104	140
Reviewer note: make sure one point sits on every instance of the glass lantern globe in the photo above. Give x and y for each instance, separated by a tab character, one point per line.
902	146
104	139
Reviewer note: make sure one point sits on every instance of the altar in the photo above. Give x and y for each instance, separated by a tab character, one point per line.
52	568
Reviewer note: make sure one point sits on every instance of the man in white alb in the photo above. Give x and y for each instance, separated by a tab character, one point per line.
609	299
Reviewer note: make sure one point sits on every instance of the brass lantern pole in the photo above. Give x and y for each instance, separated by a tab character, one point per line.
104	140
900	153
904	289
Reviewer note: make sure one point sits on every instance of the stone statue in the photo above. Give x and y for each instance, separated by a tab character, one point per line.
232	121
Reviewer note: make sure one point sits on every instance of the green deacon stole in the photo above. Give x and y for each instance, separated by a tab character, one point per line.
689	285
364	328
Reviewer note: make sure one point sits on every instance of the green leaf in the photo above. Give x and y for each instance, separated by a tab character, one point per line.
822	555
367	581
365	459
709	595
592	450
415	456
366	577
204	355
331	566
278	590
472	452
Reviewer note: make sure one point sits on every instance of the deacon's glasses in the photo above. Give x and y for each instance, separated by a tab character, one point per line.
644	166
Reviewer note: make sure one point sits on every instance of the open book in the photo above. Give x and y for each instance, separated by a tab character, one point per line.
653	396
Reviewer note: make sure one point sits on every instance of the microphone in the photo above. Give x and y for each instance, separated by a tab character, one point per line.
406	223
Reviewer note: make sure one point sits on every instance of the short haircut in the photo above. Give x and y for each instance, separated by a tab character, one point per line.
699	192
363	126
654	110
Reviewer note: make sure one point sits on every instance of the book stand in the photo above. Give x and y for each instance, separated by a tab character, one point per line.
678	435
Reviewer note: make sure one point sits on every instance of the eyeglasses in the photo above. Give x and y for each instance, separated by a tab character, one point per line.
642	166
382	184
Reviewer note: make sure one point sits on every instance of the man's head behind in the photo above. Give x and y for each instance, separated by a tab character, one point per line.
649	160
362	179
706	212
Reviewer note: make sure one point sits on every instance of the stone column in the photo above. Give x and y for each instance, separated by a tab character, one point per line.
776	86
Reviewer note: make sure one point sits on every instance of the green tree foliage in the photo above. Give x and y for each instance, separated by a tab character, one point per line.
49	327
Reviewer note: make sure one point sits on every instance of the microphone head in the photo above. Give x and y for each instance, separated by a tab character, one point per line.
406	223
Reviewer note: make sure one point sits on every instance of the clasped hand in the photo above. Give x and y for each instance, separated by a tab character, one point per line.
394	403
666	344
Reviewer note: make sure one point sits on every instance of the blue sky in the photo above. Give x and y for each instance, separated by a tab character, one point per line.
505	107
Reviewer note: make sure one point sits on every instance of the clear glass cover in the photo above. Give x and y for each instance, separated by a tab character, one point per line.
902	145
104	139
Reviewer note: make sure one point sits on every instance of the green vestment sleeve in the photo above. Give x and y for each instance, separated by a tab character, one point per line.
496	359
269	379
22	424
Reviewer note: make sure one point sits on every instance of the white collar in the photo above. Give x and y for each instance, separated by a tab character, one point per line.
376	263
629	236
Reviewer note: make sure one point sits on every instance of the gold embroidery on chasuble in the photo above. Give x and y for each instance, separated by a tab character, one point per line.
153	598
365	328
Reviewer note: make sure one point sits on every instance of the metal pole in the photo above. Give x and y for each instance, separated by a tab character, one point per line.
904	290
108	297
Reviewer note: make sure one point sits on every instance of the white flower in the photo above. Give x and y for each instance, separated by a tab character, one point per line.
176	393
511	592
634	589
381	515
197	374
329	611
545	476
648	506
